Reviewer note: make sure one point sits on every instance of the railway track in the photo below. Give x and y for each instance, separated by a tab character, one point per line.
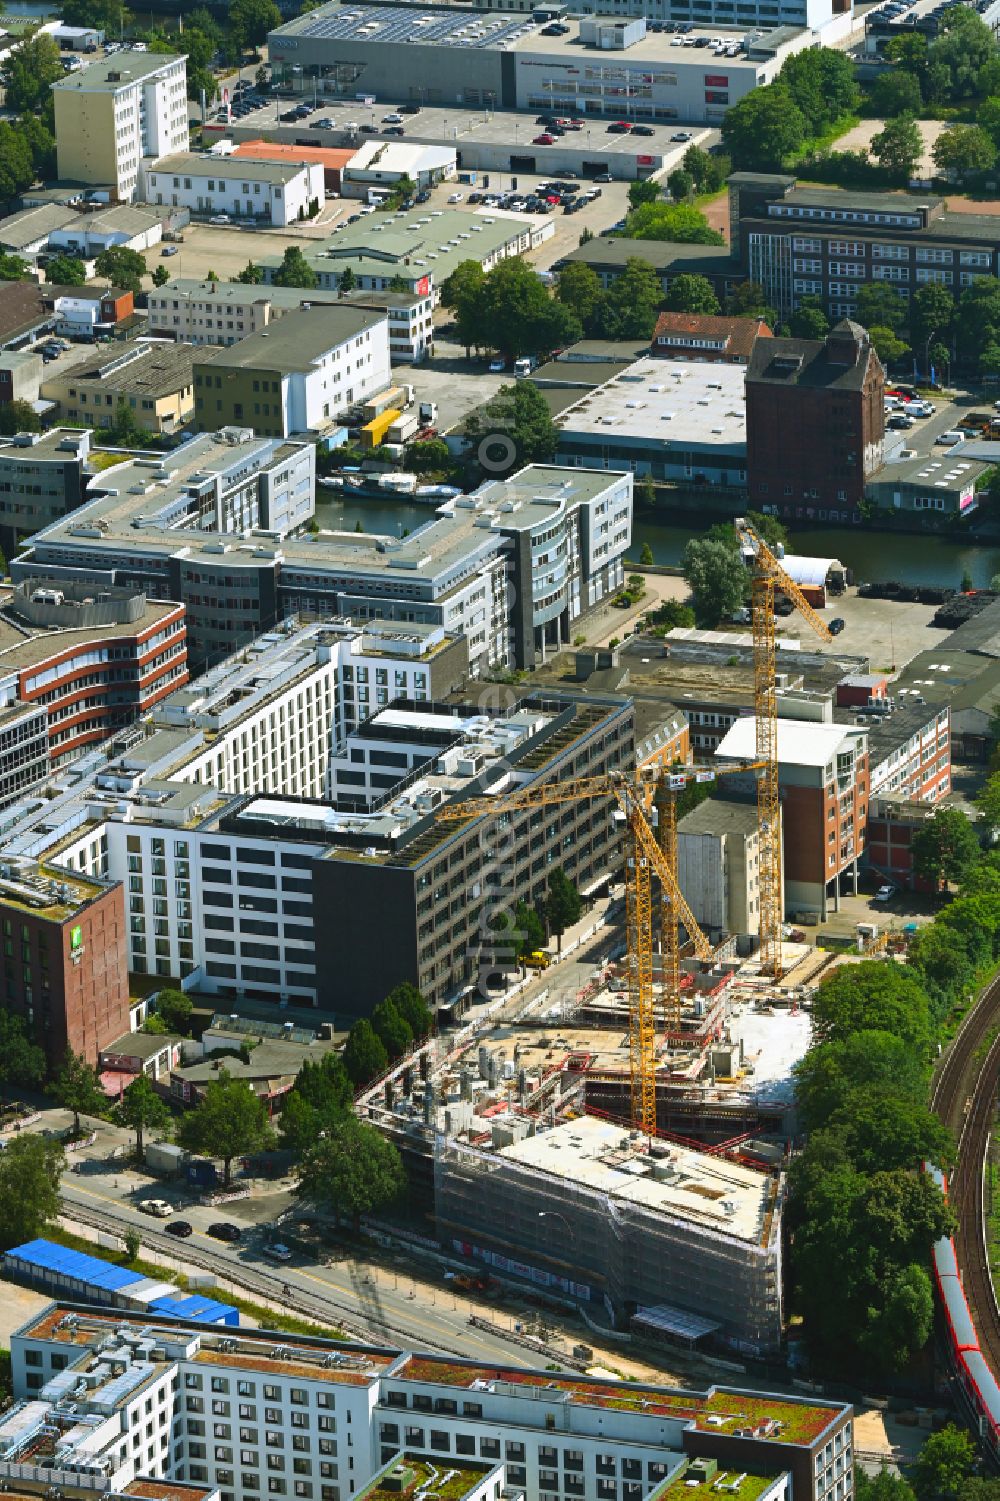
964	1096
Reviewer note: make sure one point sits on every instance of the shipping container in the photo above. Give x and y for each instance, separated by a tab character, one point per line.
404	429
374	431
392	396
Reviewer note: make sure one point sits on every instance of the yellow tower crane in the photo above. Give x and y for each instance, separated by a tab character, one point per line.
643	859
767	576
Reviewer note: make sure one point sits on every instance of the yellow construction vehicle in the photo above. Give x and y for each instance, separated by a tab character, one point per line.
768	576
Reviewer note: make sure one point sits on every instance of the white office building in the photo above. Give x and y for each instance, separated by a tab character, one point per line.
277	193
116	112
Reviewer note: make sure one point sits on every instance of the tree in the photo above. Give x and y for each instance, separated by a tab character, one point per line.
963	46
461	293
988	798
809	321
708	170
680	184
763	129
691	293
932	312
12	267
875	995
411	1005
392	1029
22	1063
944	1462
646	555
944	848
66	271
887	345
646	191
962	150
229	1122
28	72
429	455
630	307
716	577
821	83
881	1130
681	222
18	417
141	1110
251	20
579	287
175	1008
896	93
885	1486
295	270
121	267
517	314
160	276
321	1096
76	1087
251	275
563	903
977	317
748	300
353	1171
519	416
988	116
365	1056
347	280
880	305
30	1169
830	1073
898	146
900	1323
106	15
132	1242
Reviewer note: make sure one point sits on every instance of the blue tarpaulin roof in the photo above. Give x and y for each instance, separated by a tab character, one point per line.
49	1257
207	1310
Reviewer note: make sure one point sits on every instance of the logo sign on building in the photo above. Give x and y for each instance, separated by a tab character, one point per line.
75	939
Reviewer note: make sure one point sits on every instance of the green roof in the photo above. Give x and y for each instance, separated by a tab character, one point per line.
409	1473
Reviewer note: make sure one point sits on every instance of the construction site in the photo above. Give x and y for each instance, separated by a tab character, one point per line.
617	1137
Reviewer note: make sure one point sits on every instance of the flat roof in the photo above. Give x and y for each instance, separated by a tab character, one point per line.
197	164
120	71
298	340
801	742
333	157
720	815
668	401
412	1475
602	1156
23	644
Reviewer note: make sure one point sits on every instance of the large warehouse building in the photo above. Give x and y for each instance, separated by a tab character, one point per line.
603	68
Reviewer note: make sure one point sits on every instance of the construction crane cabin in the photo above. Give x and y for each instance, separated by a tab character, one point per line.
767	578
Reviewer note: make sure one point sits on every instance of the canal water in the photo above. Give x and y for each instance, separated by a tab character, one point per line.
869	555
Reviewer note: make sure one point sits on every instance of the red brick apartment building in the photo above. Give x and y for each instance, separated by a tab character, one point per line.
65	966
95	662
815	423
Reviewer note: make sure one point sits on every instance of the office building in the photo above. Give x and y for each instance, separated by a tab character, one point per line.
112	114
94	664
511	566
276	193
41	479
299	377
154	380
815	422
535	1433
811	241
224	312
64	967
88	312
943	482
509	62
823	782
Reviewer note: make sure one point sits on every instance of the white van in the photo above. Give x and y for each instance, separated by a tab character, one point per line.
524	366
950	438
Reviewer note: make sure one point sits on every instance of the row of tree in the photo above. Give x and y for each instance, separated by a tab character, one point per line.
862	1214
814	90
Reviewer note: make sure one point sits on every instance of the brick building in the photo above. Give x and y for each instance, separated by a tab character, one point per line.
704	336
64	968
823	782
815	422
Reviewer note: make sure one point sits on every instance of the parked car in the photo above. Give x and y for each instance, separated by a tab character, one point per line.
409	109
681	135
498	366
836	625
180	1228
394	130
168	250
643	130
897	420
542	140
455	197
159	1208
220	219
277	1252
884	894
604	177
223	1230
394	118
